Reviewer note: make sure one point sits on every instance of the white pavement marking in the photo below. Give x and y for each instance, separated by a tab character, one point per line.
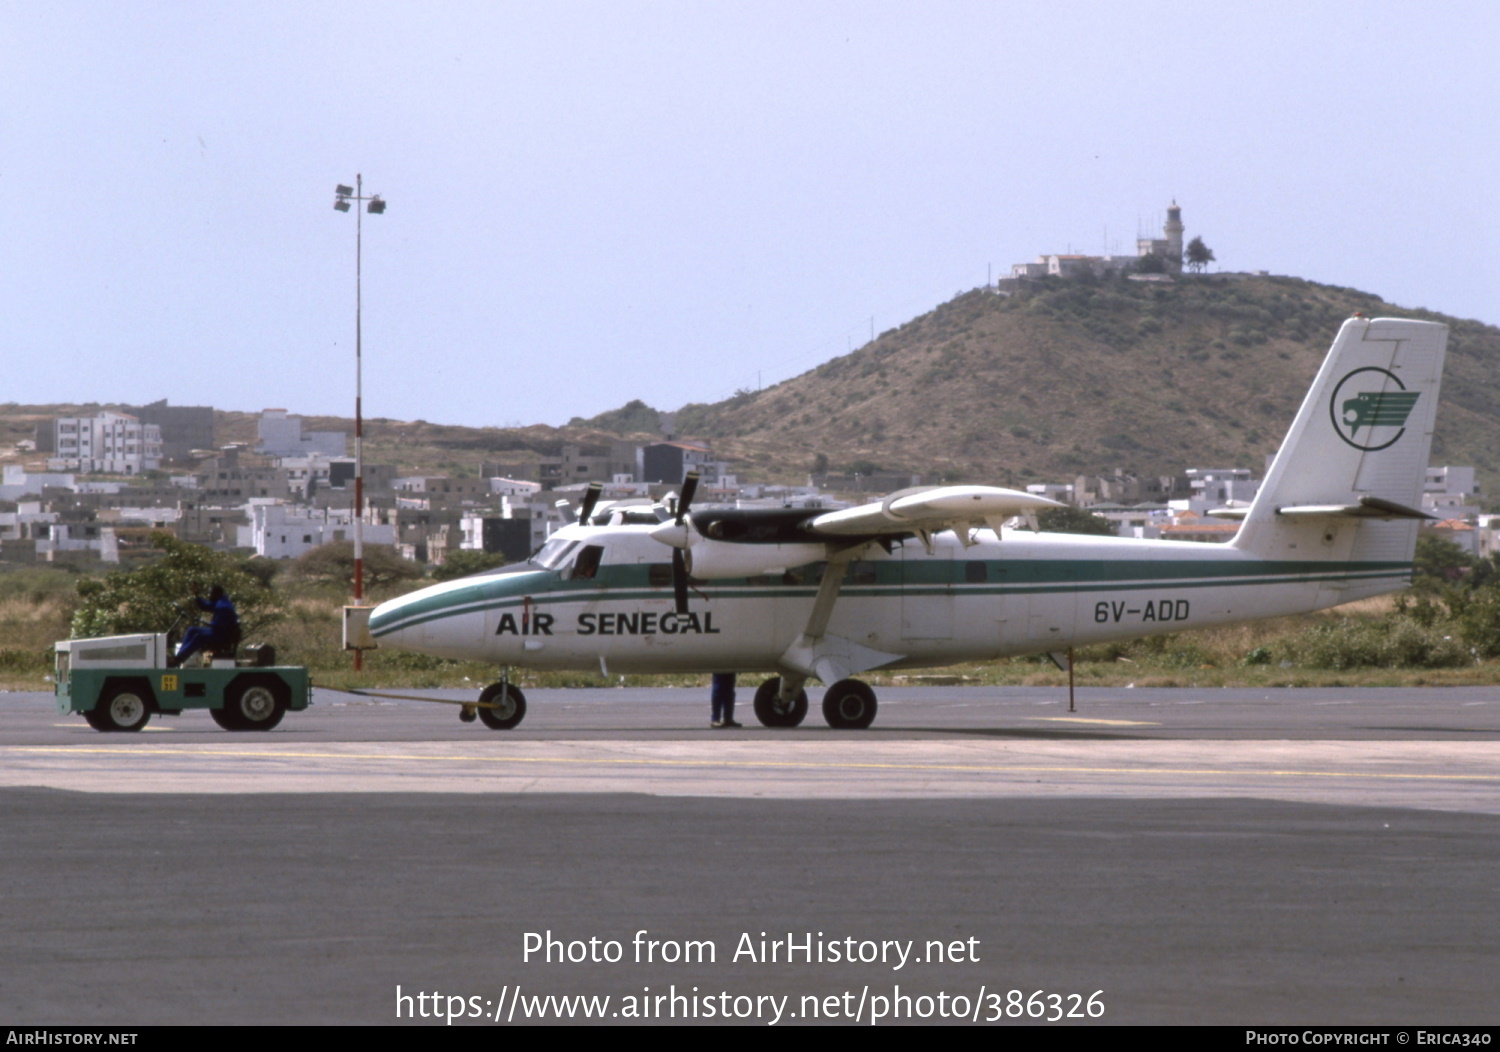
1455	776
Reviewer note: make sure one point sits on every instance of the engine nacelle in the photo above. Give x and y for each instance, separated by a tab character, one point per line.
710	560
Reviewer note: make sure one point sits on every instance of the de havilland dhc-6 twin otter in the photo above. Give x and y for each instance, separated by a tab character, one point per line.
933	576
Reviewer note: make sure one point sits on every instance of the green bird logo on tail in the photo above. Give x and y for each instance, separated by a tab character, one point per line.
1378	409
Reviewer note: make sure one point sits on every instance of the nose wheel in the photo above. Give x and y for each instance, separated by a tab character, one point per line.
502	706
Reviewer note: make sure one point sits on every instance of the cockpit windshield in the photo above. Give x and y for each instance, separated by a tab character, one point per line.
554	554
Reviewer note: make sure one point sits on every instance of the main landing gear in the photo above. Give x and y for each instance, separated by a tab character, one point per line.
774	711
847	705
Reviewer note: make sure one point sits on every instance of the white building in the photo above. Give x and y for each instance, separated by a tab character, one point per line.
1218	488
518	488
1168	248
112	443
17	482
277	531
306	476
1450	493
280	434
1058	491
1449	479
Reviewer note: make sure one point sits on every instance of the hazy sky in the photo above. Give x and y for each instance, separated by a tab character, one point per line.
594	202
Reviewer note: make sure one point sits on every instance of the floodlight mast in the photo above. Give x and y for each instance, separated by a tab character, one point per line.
342	196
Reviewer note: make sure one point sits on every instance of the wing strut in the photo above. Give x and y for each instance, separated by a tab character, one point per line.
831	658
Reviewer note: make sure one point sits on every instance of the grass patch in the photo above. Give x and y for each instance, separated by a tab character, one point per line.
1402	641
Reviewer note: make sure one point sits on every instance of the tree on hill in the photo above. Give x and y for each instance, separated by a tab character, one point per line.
1199	255
1151	263
334	564
1069	519
632	417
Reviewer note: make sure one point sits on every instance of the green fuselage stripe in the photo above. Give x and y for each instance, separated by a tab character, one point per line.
945	578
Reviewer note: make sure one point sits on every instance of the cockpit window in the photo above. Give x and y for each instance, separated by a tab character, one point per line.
587	564
554	553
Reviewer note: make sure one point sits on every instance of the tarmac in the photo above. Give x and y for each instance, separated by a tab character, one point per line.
1293	857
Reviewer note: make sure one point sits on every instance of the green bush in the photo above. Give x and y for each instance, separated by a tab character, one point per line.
153	598
25	661
1394	642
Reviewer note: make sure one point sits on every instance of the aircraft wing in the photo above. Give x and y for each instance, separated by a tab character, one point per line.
928	510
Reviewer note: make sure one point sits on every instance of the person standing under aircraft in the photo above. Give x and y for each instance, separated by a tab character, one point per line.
722	701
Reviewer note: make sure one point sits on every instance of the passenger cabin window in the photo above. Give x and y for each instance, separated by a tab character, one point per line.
659	575
860	572
812	573
976	572
586	566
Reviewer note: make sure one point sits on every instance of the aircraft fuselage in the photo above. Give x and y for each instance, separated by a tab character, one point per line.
1025	593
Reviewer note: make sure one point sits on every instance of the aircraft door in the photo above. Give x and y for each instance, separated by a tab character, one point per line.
927	594
987	610
1052	611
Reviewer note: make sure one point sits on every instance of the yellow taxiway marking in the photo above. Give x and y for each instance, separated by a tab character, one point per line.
1106	723
187	752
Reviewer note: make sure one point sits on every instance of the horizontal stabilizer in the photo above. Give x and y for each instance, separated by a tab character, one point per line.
1367	508
928	509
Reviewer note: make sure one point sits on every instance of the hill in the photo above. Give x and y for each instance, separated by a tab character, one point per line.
1069	377
1058	378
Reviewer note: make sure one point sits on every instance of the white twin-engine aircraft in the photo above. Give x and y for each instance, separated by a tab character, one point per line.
929	577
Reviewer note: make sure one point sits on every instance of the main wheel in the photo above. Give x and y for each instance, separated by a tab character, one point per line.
771	712
253	703
849	705
122	707
509	706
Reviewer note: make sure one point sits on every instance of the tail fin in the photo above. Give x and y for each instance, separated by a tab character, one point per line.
1347	483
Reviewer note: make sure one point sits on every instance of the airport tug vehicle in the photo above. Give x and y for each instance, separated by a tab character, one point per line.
117	682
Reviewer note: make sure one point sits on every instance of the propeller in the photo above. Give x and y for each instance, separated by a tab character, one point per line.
679	557
590	499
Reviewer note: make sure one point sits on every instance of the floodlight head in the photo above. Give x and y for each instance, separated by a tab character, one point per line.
344	191
341	205
376	206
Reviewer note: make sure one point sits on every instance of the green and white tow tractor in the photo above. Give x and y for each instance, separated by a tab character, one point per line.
118	682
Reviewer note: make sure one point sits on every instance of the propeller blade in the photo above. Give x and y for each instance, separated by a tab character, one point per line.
590	498
680	580
689	488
